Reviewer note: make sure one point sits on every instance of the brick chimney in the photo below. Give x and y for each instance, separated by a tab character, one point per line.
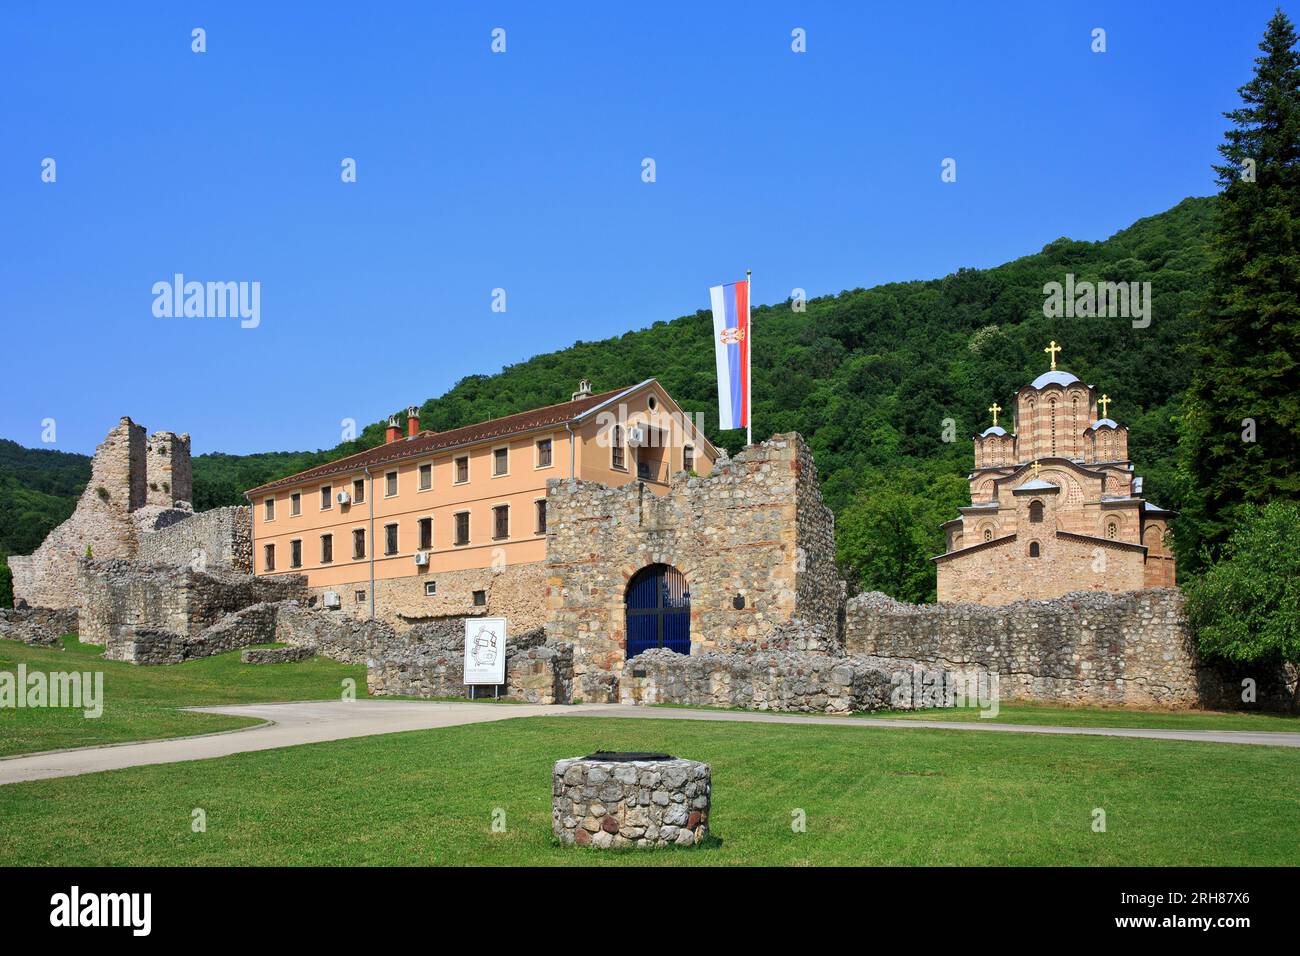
393	432
412	421
584	390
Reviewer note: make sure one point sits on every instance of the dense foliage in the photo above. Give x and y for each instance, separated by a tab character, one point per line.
1247	606
1241	440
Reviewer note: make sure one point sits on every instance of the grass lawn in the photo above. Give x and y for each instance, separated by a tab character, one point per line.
871	796
140	703
1065	716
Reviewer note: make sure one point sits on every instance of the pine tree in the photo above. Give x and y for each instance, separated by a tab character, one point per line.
1241	422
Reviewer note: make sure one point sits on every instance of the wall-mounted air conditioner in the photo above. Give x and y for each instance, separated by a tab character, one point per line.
344	498
331	599
636	435
422	558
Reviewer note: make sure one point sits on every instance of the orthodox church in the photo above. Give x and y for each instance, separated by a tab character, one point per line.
1055	506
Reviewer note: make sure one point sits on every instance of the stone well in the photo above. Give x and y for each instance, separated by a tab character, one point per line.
633	799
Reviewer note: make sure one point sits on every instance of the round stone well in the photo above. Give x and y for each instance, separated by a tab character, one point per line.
630	799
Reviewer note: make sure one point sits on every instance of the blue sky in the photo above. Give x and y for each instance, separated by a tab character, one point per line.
522	171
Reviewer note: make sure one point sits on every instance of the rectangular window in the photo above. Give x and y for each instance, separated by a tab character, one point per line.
480	598
359	542
326	497
430	588
426	477
326	548
501	521
460	473
616	459
390	539
359	491
361	597
462	528
269	551
390	484
543	453
295	554
541	515
295	503
500	461
426	534
688	458
270	509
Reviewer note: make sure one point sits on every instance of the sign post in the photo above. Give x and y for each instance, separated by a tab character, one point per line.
485	652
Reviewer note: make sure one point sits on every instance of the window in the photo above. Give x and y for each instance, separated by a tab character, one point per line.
1111	530
426	534
543	453
480	598
426	477
462	527
652	403
326	497
358	542
988	534
688	458
501	521
269	551
326	548
500	461
616	449
1033	549
1035	512
430	588
541	515
390	484
390	539
460	473
359	491
270	509
295	553
295	503
361	597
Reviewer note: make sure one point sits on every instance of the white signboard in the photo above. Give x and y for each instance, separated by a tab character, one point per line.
485	650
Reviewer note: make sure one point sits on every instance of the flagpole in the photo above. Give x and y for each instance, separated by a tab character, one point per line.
749	350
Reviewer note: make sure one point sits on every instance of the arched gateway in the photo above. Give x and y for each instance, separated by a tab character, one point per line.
658	610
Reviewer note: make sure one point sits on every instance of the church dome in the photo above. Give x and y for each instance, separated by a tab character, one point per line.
995	430
1103	423
1054	378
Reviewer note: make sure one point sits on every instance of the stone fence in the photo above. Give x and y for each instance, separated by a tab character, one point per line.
38	626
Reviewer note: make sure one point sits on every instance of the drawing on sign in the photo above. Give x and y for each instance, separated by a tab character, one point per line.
484	647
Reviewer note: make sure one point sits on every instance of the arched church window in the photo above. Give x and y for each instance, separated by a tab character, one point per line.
1033	549
988	534
1112	530
1035	512
1051	411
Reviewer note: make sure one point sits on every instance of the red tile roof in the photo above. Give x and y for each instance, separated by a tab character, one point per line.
426	442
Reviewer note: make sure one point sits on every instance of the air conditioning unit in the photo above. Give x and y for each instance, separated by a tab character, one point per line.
636	435
422	558
331	599
344	498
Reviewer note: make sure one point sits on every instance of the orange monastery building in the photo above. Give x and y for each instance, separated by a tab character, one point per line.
432	524
1055	506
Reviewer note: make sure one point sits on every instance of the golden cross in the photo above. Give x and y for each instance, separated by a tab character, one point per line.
1035	467
1104	402
995	408
1052	350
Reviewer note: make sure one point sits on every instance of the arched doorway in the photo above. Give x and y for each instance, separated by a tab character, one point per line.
658	610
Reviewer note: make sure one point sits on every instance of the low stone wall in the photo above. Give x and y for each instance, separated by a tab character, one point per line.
220	538
1084	648
38	626
642	803
274	655
428	661
782	681
331	634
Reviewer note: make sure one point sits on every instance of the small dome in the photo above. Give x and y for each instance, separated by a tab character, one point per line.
995	430
1054	378
1038	484
1103	423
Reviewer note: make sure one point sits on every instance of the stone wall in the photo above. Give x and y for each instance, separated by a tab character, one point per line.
38	626
331	634
753	540
428	661
1085	648
220	538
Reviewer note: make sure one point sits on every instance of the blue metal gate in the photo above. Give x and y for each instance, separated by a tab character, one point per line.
658	610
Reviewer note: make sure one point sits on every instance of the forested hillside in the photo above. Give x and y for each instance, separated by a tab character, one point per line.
869	377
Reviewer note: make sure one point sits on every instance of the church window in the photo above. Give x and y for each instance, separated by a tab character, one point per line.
988	534
1051	411
1035	512
1033	549
1111	530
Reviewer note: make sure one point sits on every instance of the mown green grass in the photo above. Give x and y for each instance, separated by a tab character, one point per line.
1064	716
871	796
142	703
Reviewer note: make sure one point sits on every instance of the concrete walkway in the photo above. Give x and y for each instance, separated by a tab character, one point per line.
289	725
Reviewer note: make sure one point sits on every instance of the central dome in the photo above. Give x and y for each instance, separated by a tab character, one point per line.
1054	378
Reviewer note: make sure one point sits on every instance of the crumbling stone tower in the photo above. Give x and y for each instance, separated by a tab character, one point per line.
167	474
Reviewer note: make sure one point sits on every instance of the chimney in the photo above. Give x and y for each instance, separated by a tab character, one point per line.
393	432
584	390
412	421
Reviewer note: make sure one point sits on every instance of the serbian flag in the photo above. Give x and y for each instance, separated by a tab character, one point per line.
731	349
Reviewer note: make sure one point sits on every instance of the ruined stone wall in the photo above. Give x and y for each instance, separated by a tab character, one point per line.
38	626
753	539
217	539
1085	648
337	636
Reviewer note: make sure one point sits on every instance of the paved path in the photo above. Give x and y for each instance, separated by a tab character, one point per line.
311	722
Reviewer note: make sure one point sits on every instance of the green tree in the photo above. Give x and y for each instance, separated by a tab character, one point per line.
1247	607
6	585
1245	347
